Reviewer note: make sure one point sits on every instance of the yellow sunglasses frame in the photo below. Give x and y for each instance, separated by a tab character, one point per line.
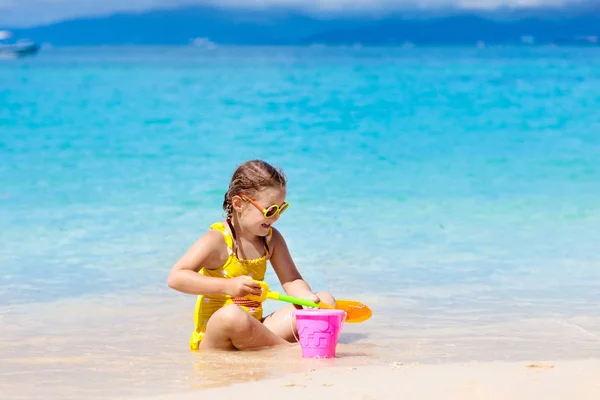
279	209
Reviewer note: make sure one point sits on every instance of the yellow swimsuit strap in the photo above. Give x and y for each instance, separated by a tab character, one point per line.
220	226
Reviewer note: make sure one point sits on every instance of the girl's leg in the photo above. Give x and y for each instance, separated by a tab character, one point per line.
283	325
232	328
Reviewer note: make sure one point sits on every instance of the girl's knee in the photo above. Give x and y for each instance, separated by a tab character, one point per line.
230	317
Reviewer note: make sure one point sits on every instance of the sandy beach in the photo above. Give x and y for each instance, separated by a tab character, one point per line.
121	348
465	381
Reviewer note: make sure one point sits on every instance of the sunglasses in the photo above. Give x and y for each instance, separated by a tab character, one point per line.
269	211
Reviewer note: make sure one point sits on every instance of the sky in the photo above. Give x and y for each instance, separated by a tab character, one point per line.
16	13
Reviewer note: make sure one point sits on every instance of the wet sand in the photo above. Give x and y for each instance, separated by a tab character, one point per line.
465	381
137	347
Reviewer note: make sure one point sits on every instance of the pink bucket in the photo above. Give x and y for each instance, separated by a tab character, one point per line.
318	331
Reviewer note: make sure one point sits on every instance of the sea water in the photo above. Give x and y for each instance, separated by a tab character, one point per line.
456	191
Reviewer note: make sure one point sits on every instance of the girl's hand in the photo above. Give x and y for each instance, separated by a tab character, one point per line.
313	297
240	286
308	296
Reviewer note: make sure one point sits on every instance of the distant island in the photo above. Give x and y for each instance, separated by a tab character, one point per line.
219	26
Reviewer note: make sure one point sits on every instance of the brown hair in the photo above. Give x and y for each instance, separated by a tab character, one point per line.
249	178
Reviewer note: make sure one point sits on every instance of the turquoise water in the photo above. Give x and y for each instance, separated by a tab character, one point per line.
441	179
455	191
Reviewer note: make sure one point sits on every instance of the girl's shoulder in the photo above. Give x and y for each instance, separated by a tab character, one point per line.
219	244
221	227
275	238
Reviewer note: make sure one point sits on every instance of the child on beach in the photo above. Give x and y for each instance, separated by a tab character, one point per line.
219	264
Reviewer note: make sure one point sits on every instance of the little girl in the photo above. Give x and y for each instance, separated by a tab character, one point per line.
218	265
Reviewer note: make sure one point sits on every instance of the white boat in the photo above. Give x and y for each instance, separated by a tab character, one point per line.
20	48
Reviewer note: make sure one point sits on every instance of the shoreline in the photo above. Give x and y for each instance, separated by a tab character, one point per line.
136	347
490	380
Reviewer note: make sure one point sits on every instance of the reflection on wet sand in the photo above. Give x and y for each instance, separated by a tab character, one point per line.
130	347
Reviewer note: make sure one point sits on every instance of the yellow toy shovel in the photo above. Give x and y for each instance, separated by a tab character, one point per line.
355	311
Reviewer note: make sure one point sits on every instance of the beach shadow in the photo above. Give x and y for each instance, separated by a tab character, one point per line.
343	354
216	368
348	338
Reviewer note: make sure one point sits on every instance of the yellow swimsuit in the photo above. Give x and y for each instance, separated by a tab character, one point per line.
206	305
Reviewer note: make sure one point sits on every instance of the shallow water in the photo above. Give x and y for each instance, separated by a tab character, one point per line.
123	347
455	191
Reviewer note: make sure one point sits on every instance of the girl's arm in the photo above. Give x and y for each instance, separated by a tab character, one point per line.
289	276
209	250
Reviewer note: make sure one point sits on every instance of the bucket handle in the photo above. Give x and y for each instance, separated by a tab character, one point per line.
292	315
